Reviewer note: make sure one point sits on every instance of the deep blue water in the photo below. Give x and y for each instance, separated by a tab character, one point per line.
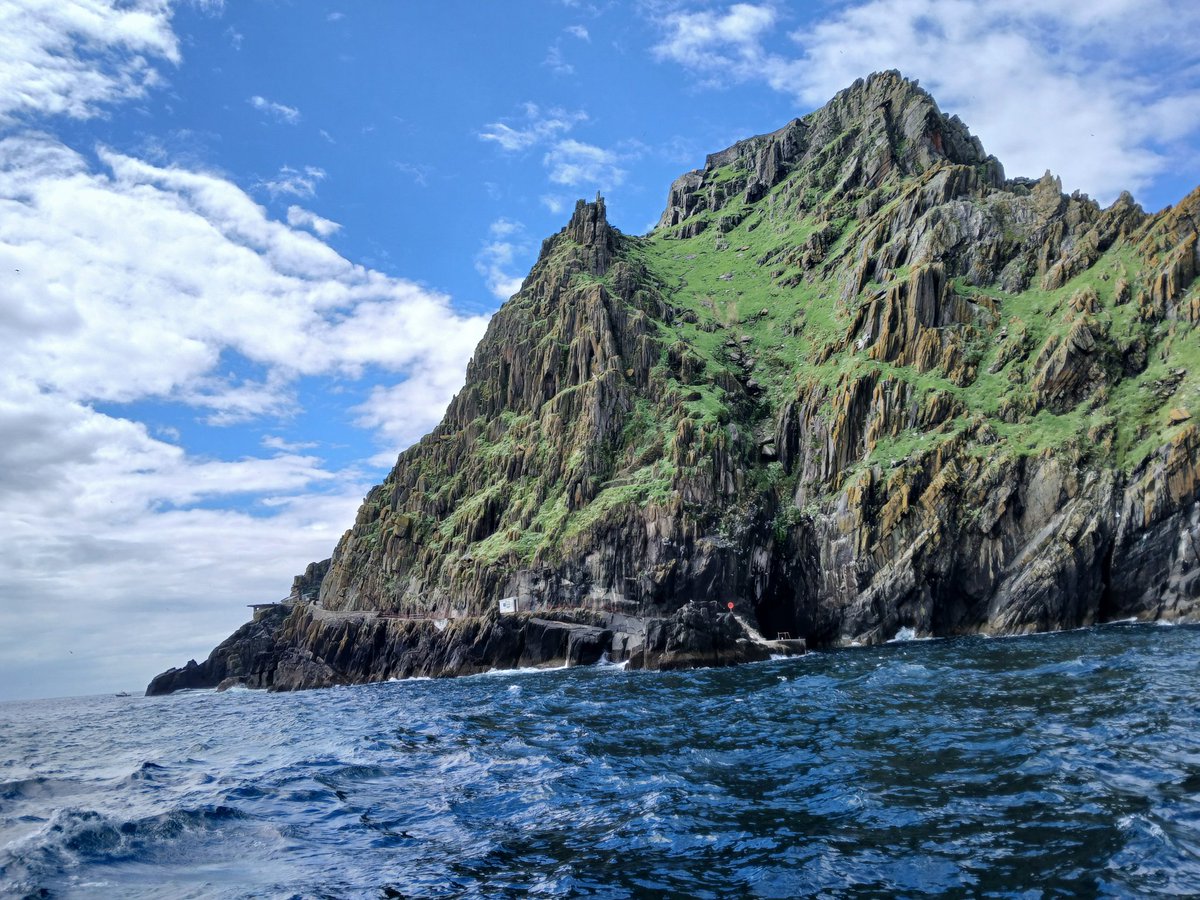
1061	765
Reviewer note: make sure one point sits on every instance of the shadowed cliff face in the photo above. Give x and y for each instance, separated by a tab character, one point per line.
855	381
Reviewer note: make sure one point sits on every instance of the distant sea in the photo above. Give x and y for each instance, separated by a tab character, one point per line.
1059	765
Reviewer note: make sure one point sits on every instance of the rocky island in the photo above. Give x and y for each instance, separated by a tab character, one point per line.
855	381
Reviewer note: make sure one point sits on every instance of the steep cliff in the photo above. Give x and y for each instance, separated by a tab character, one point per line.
855	381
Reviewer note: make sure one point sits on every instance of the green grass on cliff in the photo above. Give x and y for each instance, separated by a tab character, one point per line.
741	295
781	317
717	277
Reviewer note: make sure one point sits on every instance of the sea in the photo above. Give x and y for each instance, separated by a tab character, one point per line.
1063	765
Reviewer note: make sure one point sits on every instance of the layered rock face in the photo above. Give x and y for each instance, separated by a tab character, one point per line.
855	381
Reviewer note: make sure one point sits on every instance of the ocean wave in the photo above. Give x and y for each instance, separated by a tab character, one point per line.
74	839
1064	765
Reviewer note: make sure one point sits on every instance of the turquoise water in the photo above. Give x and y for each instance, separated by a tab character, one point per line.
1060	765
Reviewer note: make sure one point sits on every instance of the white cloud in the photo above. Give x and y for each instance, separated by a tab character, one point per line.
197	270
196	276
573	163
707	39
556	203
505	228
73	57
398	410
295	182
534	127
275	442
105	555
507	245
278	111
1096	92
298	217
568	162
556	61
231	400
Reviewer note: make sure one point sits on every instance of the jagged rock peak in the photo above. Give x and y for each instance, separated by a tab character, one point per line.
589	229
879	127
588	224
886	104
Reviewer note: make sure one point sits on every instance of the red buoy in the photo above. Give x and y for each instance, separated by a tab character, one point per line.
731	606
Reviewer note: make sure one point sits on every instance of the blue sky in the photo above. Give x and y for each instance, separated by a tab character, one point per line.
248	246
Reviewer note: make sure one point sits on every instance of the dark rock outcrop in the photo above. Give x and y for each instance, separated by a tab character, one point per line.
699	634
246	658
300	647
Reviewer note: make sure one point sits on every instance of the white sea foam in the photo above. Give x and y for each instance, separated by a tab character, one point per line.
525	670
608	666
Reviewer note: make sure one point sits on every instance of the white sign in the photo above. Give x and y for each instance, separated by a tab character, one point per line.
508	604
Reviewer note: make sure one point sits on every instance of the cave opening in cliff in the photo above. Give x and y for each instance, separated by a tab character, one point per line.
775	610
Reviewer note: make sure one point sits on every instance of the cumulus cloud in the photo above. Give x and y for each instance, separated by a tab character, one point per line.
124	549
706	39
574	163
506	246
535	126
298	217
97	319
198	270
1073	87
578	31
228	400
73	57
278	111
397	410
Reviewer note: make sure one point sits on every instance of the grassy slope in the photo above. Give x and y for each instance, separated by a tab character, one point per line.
783	317
803	318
